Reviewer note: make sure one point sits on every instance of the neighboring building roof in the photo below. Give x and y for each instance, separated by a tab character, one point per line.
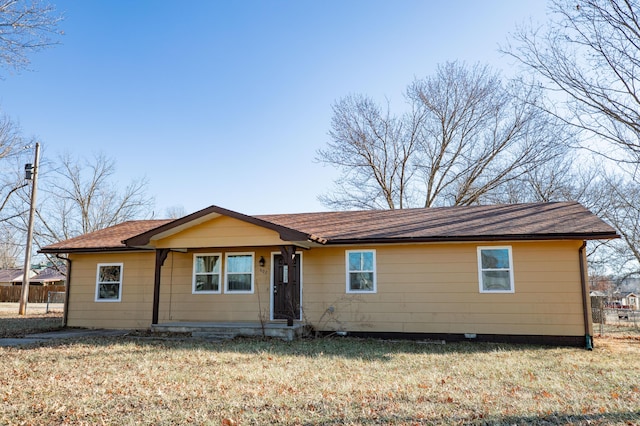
535	221
13	275
10	275
51	274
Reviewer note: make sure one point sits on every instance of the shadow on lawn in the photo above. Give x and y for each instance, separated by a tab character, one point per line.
366	349
563	418
342	347
21	326
628	418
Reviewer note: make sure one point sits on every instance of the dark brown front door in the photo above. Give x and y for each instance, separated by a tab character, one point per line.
286	295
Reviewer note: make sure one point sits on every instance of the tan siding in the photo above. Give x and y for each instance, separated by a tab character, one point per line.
134	311
421	288
221	232
434	289
177	303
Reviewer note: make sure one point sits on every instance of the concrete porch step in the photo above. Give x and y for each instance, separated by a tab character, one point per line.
229	330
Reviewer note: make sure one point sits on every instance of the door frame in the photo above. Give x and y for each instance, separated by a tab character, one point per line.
271	283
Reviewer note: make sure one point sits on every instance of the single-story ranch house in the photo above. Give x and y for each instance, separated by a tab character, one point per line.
511	273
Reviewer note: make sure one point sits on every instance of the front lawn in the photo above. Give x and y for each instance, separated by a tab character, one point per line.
13	325
142	380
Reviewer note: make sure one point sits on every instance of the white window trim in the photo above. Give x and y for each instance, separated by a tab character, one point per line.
193	280
97	295
375	273
226	272
513	284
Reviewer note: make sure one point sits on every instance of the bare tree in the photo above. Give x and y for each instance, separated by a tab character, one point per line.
587	56
11	144
479	134
374	151
82	197
590	52
463	136
26	26
619	199
175	212
567	177
9	249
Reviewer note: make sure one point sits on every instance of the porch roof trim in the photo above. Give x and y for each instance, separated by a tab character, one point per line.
144	239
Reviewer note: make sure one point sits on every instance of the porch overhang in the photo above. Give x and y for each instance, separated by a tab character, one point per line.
150	239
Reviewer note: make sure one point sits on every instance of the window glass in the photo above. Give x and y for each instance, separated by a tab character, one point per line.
239	263
495	258
361	274
109	282
496	273
239	273
206	276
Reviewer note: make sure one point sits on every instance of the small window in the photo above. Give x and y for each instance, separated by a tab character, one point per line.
495	270
361	271
109	282
206	273
239	273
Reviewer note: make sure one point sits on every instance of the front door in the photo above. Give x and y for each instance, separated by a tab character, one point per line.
286	295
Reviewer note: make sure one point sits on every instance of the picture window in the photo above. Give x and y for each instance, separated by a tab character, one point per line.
239	273
206	273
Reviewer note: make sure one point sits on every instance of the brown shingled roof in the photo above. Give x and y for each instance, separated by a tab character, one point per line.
105	239
519	221
535	221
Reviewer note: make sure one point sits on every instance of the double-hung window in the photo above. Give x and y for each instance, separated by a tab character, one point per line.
109	282
239	273
361	271
206	273
495	269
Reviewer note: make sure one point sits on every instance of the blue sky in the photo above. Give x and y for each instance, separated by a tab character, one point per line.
227	102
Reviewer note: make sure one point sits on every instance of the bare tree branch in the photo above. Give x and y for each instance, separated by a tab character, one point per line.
465	135
591	54
26	26
82	197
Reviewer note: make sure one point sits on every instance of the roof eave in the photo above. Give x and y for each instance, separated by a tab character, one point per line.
474	238
90	250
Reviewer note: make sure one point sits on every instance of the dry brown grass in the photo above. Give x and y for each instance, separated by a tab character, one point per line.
12	325
135	380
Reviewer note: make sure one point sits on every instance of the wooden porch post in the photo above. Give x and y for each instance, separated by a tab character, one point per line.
161	256
289	256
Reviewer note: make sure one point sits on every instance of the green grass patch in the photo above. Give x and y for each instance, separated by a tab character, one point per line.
141	380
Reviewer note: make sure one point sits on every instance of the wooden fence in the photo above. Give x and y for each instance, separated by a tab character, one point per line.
37	294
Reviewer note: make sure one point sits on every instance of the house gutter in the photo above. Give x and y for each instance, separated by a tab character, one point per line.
468	238
65	315
585	293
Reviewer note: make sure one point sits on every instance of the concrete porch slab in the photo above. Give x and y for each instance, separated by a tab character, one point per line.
229	330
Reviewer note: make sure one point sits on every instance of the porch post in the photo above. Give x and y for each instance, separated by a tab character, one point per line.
161	256
289	256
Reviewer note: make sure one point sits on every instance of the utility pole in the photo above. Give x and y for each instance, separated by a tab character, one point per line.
31	173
